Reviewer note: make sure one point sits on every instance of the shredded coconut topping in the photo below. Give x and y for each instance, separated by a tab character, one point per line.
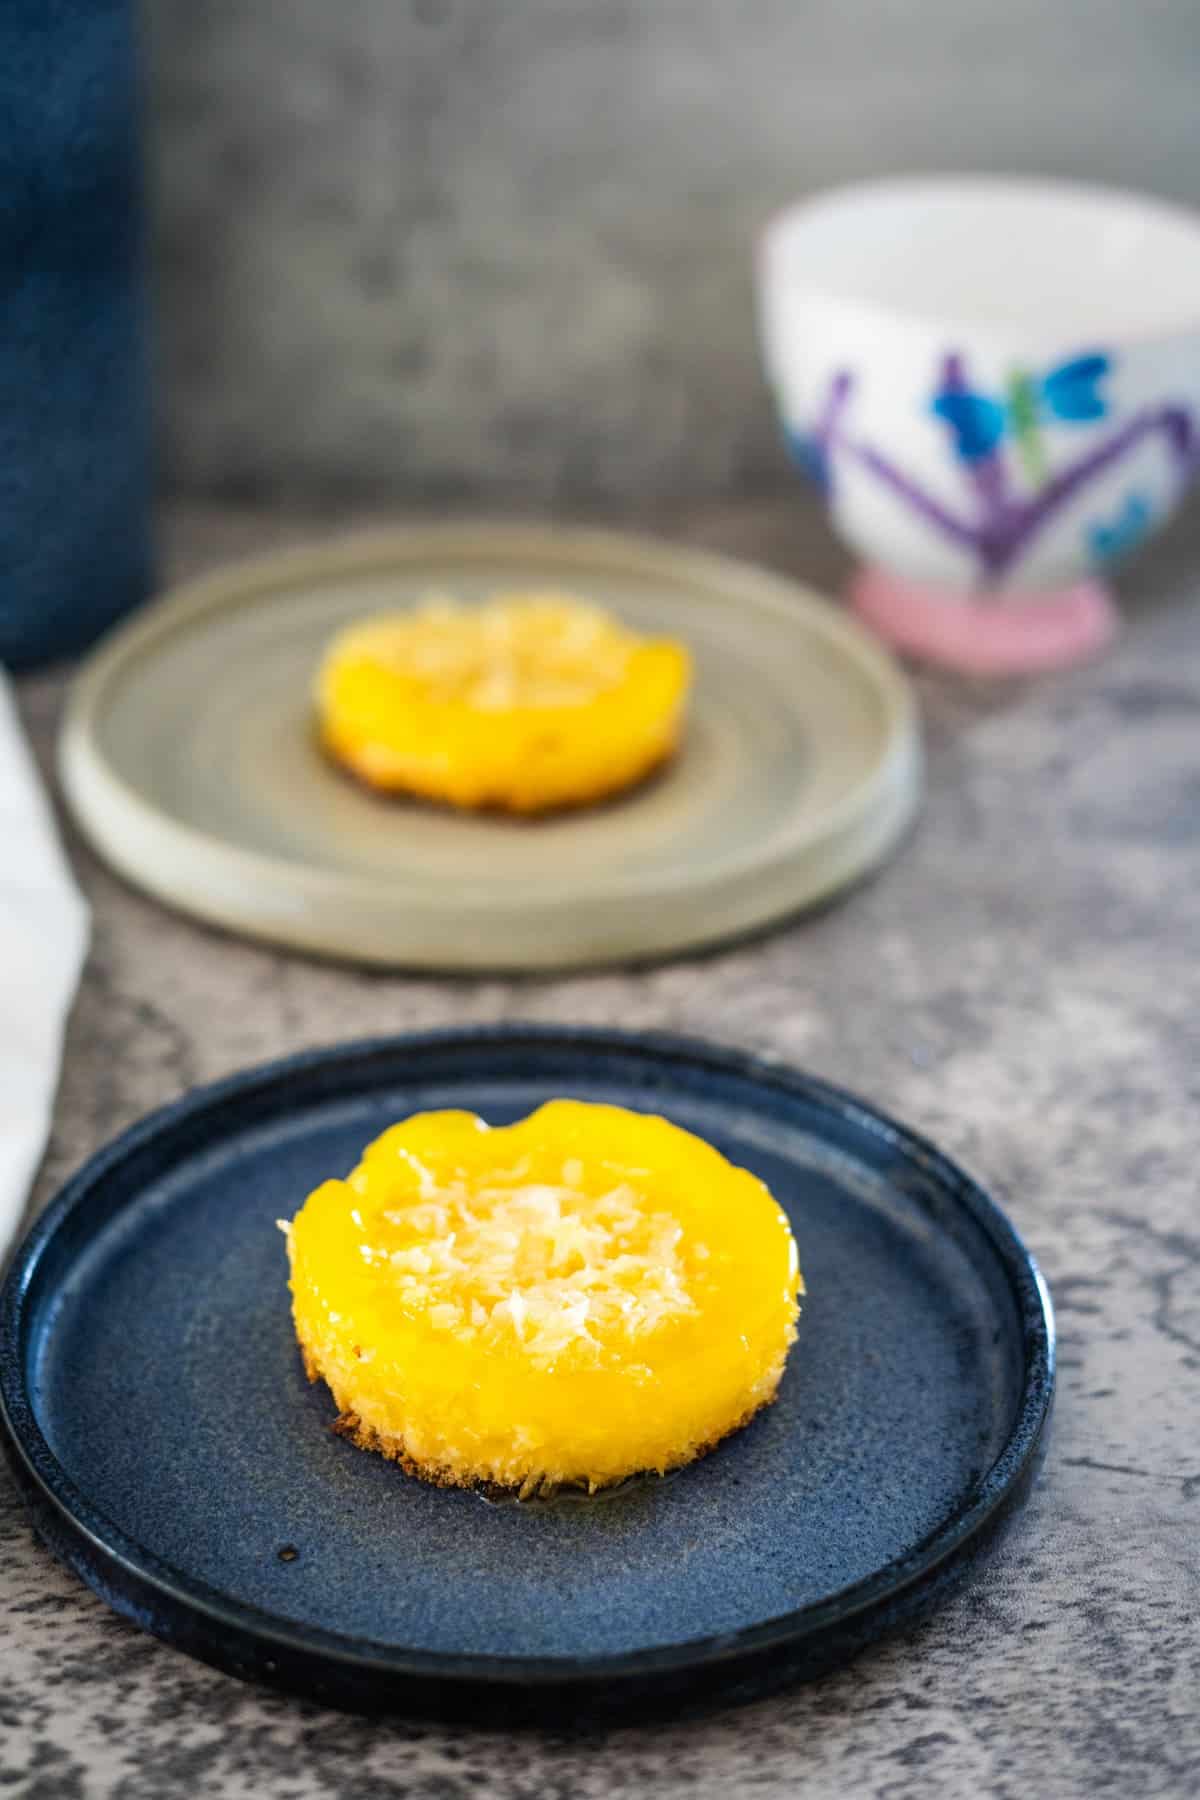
544	1263
539	650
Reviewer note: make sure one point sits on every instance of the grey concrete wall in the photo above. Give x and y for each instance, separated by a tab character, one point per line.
499	248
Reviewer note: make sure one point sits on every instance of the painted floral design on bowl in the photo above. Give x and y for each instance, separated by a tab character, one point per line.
1013	486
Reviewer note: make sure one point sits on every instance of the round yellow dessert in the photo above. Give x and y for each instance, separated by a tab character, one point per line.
526	703
585	1295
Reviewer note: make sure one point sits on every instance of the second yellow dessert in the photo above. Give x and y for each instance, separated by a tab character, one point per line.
527	703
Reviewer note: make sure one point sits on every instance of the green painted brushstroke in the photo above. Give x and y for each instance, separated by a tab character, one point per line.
1023	420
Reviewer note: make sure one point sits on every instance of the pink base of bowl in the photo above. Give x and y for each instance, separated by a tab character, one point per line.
1005	634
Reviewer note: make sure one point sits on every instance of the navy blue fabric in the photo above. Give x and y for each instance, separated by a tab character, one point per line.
74	412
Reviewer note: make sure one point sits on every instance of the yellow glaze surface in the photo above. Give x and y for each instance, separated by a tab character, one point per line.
583	1295
526	703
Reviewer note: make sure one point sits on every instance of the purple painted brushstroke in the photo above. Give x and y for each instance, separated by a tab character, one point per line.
988	475
1030	518
840	389
931	510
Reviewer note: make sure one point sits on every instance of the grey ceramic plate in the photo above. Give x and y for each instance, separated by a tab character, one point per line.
188	757
172	1452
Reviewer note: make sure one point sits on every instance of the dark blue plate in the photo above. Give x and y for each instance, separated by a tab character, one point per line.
174	1455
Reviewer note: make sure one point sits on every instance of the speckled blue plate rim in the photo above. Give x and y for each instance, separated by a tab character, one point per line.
215	1626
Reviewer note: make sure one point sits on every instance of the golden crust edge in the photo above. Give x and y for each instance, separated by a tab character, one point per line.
348	1425
433	793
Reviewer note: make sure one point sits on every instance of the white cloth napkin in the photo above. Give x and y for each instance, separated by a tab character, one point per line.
43	938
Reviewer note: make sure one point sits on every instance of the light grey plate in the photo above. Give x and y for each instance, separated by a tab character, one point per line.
189	759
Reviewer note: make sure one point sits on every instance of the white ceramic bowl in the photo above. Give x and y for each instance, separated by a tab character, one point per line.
996	381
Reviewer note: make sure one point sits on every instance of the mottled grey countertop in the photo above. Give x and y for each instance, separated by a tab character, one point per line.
1024	984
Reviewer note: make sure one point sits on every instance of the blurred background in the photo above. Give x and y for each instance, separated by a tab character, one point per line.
500	249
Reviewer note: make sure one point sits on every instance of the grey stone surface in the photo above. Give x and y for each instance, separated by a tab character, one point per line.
431	246
1023	983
